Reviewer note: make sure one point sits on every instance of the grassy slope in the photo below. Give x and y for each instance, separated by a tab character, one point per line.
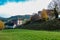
21	34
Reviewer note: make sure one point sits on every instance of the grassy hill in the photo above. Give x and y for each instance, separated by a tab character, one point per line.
22	34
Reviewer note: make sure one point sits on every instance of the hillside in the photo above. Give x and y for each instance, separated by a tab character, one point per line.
15	17
3	19
20	16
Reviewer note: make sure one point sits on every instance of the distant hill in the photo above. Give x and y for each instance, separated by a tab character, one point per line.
15	17
3	19
20	16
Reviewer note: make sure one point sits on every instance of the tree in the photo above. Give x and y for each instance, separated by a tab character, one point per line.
44	15
1	25
55	5
55	12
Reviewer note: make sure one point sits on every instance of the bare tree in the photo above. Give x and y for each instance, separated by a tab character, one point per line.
55	11
55	5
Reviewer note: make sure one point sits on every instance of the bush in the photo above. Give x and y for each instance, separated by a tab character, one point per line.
47	25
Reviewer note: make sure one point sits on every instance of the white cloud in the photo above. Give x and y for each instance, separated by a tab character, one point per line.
30	7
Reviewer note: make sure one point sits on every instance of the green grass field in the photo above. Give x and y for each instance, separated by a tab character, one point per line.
22	34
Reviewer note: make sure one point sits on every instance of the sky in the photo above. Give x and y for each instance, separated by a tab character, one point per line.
10	8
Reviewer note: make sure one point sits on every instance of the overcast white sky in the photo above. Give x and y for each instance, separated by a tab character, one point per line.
22	8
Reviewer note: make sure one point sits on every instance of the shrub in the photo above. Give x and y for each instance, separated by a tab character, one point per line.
48	25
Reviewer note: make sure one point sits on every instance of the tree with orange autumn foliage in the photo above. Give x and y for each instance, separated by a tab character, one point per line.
44	15
1	25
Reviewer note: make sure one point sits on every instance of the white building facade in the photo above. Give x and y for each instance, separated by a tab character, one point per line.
19	22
